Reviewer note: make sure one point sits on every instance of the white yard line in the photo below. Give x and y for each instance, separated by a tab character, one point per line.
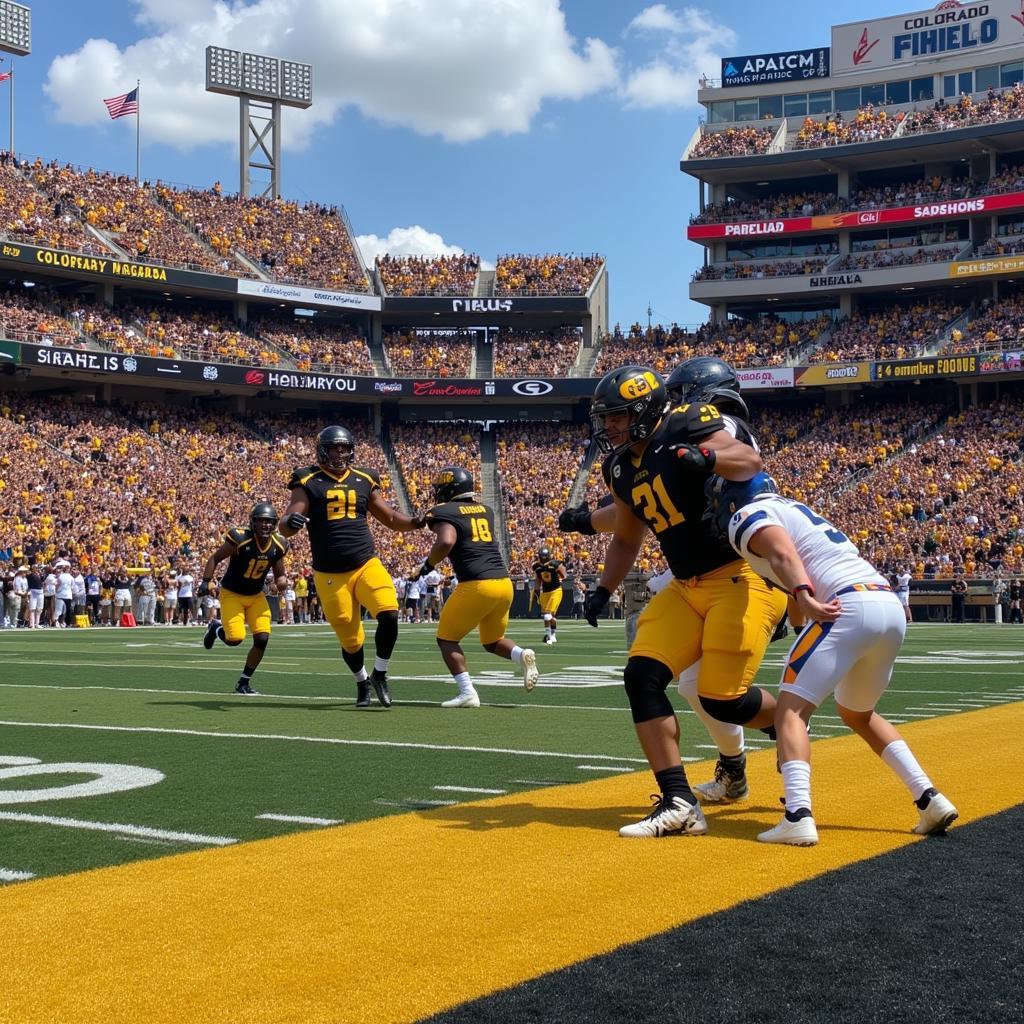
142	831
334	740
486	792
301	819
9	875
602	768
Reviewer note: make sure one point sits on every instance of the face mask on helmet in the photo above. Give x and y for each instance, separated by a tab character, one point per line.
708	380
335	449
727	497
451	482
544	554
639	393
263	520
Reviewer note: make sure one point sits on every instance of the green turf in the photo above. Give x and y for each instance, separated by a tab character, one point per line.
154	698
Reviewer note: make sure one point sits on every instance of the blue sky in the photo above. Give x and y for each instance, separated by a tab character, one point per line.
488	125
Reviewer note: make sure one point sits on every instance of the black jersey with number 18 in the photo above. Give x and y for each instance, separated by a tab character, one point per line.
248	566
670	498
476	555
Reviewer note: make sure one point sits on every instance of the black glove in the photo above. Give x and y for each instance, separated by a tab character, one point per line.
203	589
421	570
596	603
576	520
296	521
419	520
700	460
781	631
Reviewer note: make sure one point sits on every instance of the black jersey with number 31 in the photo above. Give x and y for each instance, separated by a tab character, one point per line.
670	498
476	555
248	566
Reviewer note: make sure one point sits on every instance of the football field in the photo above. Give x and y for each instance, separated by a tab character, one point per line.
433	825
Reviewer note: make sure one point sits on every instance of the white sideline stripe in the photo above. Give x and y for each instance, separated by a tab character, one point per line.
153	730
603	768
301	820
9	875
111	826
488	792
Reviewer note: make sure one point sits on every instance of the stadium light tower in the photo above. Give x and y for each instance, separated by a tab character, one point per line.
263	85
15	39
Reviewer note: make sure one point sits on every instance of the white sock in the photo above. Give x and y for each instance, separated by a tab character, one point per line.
380	664
899	758
362	675
517	654
728	738
796	778
465	683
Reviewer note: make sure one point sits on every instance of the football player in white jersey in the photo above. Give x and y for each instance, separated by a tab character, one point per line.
855	627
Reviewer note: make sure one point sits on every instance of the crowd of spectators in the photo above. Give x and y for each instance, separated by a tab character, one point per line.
995	325
28	216
444	353
128	212
1000	246
869	124
741	270
798	204
880	259
552	274
336	347
429	275
26	317
308	243
537	465
744	141
896	332
997	106
526	353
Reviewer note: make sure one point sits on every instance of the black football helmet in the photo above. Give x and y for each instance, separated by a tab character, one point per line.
450	482
708	380
638	390
727	497
544	555
335	449
263	520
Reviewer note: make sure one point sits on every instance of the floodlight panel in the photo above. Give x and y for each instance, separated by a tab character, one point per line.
261	76
296	83
223	70
15	28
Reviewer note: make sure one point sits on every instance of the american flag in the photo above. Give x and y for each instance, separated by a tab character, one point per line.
118	106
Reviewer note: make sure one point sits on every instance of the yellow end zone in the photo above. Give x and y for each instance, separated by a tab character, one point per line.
396	919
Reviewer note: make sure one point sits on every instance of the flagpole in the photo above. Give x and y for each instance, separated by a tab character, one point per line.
138	130
12	108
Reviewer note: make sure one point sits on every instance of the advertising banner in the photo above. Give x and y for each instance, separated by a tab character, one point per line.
977	28
993	265
935	366
765	378
301	295
449	305
1001	362
860	218
785	66
823	374
10	353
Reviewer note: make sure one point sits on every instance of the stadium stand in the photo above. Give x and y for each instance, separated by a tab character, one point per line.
525	353
429	275
447	353
552	274
733	142
337	348
28	216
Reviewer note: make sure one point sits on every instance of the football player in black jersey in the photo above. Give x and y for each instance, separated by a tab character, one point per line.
549	574
465	535
715	609
252	551
334	498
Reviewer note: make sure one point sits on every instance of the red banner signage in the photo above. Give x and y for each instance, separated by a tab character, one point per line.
939	209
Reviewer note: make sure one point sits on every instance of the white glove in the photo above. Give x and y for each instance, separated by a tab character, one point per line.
658	583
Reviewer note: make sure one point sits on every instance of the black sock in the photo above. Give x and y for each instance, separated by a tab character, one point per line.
354	660
769	731
386	637
220	634
925	799
246	676
673	782
734	764
800	812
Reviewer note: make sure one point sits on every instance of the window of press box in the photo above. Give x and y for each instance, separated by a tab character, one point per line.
746	110
1011	74
897	92
796	105
770	106
922	89
847	99
721	113
1012	224
819	102
872	94
986	78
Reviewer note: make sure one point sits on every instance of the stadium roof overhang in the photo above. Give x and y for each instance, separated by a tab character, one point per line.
936	147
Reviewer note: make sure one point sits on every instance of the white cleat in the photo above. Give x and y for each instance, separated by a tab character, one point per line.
723	788
528	666
554	639
793	833
936	816
463	700
672	816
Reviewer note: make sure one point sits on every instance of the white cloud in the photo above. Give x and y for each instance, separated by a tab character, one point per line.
691	45
409	241
657	19
460	69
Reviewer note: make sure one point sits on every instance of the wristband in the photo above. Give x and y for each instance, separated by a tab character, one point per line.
804	586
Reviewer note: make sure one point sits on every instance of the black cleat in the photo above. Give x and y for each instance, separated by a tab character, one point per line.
246	690
362	693
210	636
380	686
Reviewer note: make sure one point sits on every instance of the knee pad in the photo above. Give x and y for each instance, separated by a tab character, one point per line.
260	641
646	681
547	616
387	634
734	710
